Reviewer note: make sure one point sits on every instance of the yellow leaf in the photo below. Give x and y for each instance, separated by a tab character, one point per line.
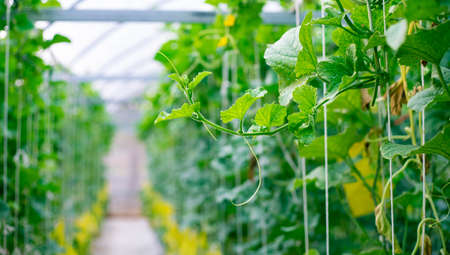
229	20
358	196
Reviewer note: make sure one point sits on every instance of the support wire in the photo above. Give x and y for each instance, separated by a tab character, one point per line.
8	4
327	222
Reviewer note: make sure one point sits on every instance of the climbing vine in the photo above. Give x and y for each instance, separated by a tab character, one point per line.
375	53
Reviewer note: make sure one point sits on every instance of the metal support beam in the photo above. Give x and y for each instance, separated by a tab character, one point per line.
53	15
90	78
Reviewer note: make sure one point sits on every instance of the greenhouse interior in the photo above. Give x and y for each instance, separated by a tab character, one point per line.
225	127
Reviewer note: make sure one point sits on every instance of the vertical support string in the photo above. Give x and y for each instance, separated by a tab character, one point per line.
302	161
389	131
422	80
8	4
19	157
327	223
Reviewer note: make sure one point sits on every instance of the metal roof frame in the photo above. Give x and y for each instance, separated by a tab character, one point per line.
203	17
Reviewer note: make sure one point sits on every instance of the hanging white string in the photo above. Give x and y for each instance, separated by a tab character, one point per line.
422	79
389	131
8	4
325	135
302	161
19	157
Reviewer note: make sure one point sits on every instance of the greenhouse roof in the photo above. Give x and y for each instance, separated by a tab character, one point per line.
117	56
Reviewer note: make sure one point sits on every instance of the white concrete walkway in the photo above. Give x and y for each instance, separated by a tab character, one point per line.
125	231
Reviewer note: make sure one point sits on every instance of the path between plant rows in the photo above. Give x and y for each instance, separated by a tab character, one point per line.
125	231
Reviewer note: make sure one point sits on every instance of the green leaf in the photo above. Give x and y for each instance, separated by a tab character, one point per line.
376	39
200	76
396	34
330	20
57	38
390	150
301	124
338	145
429	45
286	93
439	144
306	60
178	79
333	70
422	99
306	98
185	111
282	55
424	10
271	115
241	106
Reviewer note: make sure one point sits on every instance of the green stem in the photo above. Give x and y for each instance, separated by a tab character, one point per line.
232	132
441	78
347	19
394	137
386	186
352	166
436	216
419	228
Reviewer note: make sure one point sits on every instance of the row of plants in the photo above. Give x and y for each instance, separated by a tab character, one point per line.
56	134
257	94
176	240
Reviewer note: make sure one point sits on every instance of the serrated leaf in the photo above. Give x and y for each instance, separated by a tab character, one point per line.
198	78
282	55
241	106
390	150
422	99
439	144
185	111
333	70
301	124
306	59
396	34
306	98
429	45
271	115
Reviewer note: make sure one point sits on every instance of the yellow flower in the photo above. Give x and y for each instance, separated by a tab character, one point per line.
229	20
222	42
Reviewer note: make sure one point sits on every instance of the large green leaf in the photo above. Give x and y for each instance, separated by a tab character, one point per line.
241	106
429	45
390	150
439	144
185	111
306	98
396	34
334	69
424	10
270	115
424	98
198	78
306	60
282	55
338	145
